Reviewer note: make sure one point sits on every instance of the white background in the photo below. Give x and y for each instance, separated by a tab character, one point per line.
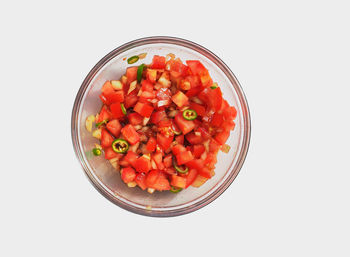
291	197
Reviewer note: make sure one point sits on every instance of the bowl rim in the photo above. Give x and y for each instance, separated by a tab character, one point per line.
233	81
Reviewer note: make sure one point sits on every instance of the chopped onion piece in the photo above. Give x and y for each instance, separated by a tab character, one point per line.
225	148
132	86
163	103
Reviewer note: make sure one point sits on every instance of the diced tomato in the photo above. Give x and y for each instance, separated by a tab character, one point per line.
184	157
180	99
200	109
177	68
211	160
185	126
135	118
165	128
131	99
142	164
200	180
158	159
230	113
193	91
178	181
168	161
143	109
170	171
131	158
116	96
176	149
104	115
116	110
107	88
110	154
206	80
131	74
164	141
157	180
196	67
221	137
104	99
147	86
191	176
114	127
204	133
193	139
217	119
158	62
180	139
141	180
128	174
130	134
228	125
198	165
213	97
106	139
151	144
151	75
213	146
158	116
198	150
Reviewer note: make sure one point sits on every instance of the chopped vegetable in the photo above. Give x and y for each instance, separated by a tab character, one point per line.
97	133
142	56
225	148
120	145
189	114
139	72
123	108
96	151
88	123
175	189
101	123
117	85
133	59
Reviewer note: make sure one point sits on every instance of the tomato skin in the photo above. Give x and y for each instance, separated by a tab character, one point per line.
151	75
158	62
131	158
135	118
221	137
130	134
164	141
180	139
158	116
198	150
128	174
131	99
143	109
116	96
141	180
110	154
180	99
204	133
106	139
196	67
191	176
178	181
147	86
198	165
114	127
151	144
214	146
107	88
158	159
168	161
116	110
104	114
131	74
194	139
213	97
228	125
230	113
176	149
185	126
200	109
142	164
184	157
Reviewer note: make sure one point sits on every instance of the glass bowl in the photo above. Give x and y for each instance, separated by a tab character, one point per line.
107	180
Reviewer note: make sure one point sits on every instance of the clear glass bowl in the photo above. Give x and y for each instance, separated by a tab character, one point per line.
104	177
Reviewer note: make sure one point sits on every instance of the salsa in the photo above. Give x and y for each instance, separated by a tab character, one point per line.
162	124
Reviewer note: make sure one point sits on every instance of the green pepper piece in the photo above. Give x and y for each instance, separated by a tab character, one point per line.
175	189
123	108
96	151
120	146
101	123
179	168
189	114
133	59
139	72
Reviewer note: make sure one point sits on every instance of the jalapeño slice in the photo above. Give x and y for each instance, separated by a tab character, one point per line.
175	189
120	145
189	114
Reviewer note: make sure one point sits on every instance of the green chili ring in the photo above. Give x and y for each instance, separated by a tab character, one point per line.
133	59
120	146
179	169
139	72
175	189
96	151
189	114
